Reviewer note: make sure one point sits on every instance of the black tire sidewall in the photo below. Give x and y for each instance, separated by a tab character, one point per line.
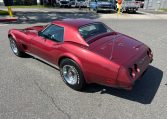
80	80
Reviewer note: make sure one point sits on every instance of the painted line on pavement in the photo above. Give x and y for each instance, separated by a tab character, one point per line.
1	25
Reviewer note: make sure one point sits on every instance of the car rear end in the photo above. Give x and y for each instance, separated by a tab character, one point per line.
81	3
130	6
105	8
131	55
134	68
65	3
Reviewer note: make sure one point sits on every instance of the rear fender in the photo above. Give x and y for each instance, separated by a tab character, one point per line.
74	58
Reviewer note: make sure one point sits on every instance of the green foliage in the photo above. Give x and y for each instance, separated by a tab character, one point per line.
30	6
2	12
164	9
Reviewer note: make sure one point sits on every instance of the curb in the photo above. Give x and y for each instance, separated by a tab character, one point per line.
8	19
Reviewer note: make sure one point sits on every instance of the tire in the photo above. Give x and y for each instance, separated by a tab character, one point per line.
96	10
72	74
134	11
127	11
91	10
14	47
60	5
69	6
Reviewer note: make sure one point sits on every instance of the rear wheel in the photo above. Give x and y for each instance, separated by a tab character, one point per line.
96	10
72	74
69	6
14	47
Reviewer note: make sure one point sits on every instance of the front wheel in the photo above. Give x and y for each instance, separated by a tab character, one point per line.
72	74
14	47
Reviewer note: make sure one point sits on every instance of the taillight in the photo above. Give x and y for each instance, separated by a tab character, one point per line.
132	73
136	68
149	53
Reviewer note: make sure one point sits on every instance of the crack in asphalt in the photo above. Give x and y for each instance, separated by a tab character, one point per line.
52	100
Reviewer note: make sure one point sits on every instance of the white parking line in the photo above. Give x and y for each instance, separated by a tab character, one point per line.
3	25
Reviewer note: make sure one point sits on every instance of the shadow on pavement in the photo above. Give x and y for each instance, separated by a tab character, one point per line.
137	13
32	57
107	12
143	91
44	17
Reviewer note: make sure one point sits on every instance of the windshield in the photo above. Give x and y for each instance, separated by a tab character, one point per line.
93	30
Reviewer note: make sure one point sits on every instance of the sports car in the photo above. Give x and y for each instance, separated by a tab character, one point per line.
85	51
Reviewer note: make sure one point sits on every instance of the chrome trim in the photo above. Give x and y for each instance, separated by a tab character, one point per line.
70	74
13	46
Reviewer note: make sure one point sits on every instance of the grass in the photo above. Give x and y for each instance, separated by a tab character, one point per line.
164	9
30	6
2	12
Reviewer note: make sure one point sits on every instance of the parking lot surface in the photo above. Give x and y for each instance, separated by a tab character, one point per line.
31	89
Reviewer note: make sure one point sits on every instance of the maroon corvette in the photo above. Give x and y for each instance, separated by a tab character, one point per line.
85	51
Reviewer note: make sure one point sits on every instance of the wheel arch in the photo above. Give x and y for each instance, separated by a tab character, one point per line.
12	35
75	59
69	56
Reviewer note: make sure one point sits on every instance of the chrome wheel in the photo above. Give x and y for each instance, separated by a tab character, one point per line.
13	46
70	74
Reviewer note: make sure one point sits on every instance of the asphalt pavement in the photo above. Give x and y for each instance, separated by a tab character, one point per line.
31	89
45	15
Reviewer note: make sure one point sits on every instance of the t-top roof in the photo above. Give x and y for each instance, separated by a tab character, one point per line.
75	23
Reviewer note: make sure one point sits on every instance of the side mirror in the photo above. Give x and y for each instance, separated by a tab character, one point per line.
40	33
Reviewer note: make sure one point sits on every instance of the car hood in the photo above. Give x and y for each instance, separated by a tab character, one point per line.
118	47
32	31
35	28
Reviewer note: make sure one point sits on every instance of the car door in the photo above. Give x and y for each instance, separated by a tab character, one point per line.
48	43
93	4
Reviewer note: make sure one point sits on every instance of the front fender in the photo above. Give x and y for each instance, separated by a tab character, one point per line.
11	33
19	37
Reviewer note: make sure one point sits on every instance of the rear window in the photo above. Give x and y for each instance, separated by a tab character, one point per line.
93	30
